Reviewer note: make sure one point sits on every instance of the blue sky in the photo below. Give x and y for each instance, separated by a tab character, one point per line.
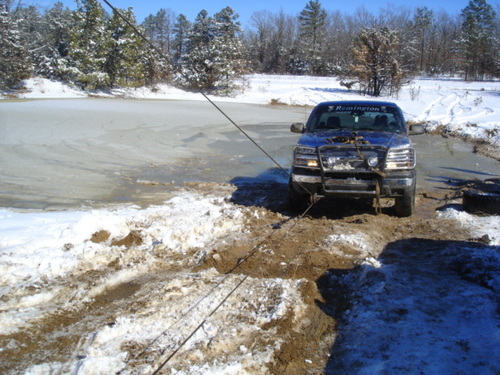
190	8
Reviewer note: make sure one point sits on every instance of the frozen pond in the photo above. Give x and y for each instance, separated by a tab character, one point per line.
85	152
74	152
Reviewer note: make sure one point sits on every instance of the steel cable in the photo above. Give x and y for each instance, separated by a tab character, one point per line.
240	261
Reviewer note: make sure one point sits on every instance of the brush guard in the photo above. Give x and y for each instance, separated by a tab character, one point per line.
350	185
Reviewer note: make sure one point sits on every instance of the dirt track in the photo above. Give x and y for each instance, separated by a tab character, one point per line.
274	245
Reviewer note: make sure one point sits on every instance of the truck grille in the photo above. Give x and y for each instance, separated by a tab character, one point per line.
347	159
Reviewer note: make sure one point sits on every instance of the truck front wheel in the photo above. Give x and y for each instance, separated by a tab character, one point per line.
405	205
296	201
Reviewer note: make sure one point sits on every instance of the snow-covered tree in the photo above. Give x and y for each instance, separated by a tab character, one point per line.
214	60
125	49
478	45
30	27
198	69
88	46
228	50
56	26
15	64
312	34
376	67
159	29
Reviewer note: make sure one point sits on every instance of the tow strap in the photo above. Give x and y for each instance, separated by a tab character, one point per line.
356	140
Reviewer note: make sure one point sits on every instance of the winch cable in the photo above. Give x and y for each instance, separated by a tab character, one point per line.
226	297
251	253
219	283
198	302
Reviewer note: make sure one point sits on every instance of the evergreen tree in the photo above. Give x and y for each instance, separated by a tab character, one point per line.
14	61
57	24
88	47
214	59
159	29
478	46
312	32
228	50
125	49
180	45
198	71
376	66
30	27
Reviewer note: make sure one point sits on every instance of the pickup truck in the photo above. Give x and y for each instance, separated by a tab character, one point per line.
354	149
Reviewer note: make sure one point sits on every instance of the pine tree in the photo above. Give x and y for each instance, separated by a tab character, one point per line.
228	50
198	70
14	61
125	49
312	32
376	66
88	47
159	29
57	24
214	60
30	27
478	46
180	46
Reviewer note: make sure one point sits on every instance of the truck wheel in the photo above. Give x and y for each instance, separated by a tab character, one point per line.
296	201
405	205
481	202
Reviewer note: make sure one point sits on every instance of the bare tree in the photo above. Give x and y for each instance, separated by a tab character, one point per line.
270	45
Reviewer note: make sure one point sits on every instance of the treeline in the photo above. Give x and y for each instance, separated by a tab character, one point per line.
375	53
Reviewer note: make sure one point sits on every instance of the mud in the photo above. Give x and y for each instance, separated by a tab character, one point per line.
274	245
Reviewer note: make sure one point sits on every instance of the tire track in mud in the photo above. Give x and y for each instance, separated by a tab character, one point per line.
336	236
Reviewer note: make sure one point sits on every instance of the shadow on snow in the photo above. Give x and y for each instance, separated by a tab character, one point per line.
422	307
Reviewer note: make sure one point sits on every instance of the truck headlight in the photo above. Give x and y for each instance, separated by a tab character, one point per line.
305	157
400	158
372	161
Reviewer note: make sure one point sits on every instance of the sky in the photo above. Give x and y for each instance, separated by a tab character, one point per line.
191	8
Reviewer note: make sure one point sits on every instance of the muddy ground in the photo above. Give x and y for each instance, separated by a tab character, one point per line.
275	244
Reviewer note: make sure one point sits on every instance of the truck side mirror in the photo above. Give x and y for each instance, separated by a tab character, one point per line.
297	127
417	129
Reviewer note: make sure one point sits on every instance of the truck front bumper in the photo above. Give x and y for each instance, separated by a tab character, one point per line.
394	184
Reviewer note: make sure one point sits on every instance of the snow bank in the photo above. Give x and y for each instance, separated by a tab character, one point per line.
42	88
38	248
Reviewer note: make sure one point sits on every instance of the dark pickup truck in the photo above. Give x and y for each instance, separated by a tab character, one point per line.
354	149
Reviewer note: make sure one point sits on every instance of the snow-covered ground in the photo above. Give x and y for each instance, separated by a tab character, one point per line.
38	249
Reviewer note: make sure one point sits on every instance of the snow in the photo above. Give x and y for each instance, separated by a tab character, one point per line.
38	249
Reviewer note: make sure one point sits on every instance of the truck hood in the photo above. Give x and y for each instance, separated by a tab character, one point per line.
384	139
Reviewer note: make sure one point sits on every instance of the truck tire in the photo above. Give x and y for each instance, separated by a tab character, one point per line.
405	205
481	202
297	202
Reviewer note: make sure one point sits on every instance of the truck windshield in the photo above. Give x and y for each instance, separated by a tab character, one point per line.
355	118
